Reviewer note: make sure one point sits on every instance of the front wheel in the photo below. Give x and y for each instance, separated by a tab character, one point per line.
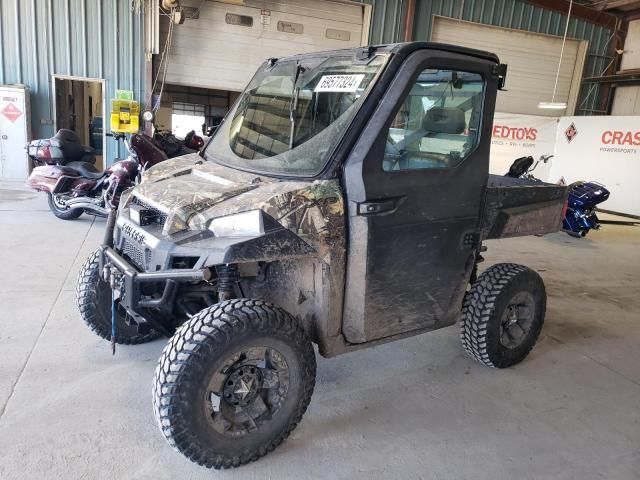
502	315
233	382
60	209
93	297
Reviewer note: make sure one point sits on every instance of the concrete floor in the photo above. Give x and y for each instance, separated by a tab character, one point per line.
414	409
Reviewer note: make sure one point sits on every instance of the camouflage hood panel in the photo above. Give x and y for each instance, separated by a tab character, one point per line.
192	192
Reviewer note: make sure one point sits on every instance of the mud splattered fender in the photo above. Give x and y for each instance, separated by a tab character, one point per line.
276	243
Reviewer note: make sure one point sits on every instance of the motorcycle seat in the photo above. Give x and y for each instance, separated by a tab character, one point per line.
519	167
86	170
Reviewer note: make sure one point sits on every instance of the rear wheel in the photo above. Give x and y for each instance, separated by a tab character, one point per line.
93	297
60	209
233	382
502	315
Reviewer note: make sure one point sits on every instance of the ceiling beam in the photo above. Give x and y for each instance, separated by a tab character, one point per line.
632	15
627	76
578	11
611	4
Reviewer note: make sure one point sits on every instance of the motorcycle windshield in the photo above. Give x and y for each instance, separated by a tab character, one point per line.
293	114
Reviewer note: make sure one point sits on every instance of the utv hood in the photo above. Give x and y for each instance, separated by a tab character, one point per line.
192	192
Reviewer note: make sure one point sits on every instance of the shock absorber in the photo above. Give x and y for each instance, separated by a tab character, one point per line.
227	279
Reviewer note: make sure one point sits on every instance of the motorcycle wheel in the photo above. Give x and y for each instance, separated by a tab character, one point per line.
61	211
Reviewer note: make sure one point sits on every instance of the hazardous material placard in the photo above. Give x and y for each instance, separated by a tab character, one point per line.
11	112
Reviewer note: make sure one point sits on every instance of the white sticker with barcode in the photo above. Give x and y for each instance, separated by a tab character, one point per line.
339	83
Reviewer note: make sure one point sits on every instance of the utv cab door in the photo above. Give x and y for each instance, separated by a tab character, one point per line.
415	183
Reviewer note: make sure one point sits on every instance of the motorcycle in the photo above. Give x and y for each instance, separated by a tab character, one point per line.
522	167
65	171
174	147
580	213
581	216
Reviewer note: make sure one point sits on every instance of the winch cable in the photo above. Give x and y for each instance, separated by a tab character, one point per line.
113	322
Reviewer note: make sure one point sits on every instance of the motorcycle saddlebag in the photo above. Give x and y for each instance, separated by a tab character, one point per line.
51	178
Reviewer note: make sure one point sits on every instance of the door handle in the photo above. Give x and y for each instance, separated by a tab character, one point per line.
377	207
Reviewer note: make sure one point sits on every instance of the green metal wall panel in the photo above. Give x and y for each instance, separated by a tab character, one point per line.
85	38
388	22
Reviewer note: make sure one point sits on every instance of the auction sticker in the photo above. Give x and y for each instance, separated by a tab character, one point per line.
339	83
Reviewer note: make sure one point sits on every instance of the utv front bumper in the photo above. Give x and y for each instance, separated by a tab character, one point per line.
123	277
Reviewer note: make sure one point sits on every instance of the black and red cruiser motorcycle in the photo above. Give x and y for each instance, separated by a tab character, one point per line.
65	171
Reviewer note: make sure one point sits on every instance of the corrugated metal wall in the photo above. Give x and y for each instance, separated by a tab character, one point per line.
388	23
84	38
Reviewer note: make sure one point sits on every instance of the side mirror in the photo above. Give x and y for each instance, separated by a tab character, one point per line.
501	72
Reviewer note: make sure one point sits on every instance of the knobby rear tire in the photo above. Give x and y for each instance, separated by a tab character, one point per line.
483	309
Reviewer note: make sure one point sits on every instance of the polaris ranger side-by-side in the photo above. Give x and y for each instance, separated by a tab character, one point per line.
344	202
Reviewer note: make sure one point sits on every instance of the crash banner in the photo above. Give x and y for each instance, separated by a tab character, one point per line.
515	135
604	149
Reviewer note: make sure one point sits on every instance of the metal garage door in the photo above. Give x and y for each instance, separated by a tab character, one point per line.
222	48
532	60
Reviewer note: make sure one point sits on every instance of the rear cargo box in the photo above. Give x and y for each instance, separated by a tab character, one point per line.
516	207
46	151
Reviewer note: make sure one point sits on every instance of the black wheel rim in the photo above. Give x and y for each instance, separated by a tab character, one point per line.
517	320
247	391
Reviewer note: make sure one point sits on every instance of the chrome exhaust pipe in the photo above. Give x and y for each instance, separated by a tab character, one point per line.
91	206
95	210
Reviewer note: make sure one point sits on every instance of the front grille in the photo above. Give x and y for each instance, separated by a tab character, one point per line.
139	255
150	215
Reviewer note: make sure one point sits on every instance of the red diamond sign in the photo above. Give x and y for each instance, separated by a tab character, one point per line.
571	132
11	112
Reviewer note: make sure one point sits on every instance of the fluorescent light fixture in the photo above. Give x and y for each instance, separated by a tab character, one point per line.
553	105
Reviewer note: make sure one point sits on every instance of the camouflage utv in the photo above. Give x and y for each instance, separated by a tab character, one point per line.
342	202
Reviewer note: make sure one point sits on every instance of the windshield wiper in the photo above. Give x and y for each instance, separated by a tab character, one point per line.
293	105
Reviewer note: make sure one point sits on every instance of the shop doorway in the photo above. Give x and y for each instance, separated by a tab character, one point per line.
79	106
185	108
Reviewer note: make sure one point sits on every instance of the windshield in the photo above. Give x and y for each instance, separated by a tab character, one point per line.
293	114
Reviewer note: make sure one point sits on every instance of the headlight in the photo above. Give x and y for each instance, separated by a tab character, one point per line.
134	214
246	224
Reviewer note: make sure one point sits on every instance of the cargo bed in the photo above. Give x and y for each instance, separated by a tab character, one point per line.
515	207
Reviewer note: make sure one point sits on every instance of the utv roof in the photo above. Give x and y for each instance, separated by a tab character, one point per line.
403	50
